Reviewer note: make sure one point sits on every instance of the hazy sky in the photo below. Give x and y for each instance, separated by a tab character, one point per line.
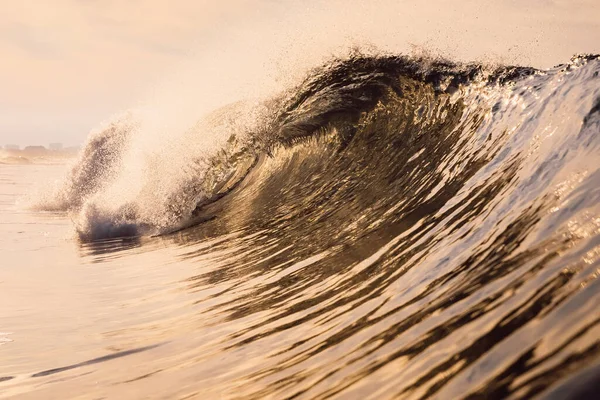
67	65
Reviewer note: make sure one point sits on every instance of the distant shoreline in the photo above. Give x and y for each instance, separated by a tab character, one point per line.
36	154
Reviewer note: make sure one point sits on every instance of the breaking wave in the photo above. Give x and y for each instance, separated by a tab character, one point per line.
430	199
131	180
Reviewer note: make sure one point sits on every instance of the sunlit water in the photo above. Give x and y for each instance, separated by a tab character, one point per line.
430	244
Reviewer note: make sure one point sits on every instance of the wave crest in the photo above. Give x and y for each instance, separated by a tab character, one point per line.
132	180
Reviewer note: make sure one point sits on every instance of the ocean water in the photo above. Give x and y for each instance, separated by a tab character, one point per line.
390	227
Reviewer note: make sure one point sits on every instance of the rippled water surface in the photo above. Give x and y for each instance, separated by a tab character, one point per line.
423	243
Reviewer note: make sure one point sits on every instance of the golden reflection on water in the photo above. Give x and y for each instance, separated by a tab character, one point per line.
447	260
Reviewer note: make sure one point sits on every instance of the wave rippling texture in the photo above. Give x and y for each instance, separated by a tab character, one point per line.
396	227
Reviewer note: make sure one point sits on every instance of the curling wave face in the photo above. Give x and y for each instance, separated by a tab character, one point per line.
432	227
133	180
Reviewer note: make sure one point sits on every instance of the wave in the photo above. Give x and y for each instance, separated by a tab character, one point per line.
463	118
424	227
